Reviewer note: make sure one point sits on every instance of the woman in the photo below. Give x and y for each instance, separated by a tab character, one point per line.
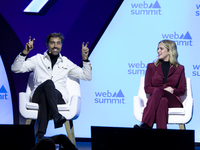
165	82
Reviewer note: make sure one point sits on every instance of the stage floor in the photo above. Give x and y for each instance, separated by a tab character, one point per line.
87	146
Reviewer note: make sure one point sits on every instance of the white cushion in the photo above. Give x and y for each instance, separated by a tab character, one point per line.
172	111
34	106
176	111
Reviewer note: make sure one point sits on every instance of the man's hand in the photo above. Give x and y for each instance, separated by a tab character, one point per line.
169	89
28	46
85	51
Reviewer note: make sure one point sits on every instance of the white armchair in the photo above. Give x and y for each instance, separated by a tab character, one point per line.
71	111
179	116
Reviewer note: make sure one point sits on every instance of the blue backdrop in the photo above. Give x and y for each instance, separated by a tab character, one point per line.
123	38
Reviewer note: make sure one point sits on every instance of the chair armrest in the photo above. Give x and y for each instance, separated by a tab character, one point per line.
188	103
23	99
74	108
138	106
188	107
138	101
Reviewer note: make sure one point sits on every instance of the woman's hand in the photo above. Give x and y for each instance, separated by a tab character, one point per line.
169	89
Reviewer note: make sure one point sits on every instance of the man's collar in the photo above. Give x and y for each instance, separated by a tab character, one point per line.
47	56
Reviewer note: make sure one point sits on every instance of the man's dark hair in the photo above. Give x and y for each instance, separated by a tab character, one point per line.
55	35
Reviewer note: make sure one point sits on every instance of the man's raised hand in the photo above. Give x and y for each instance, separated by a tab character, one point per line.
85	51
29	46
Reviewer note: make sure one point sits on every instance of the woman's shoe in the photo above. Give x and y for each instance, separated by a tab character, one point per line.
142	126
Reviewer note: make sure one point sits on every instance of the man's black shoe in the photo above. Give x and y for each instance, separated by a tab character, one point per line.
59	120
142	126
39	136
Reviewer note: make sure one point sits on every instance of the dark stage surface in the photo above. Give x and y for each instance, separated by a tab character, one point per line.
107	138
87	146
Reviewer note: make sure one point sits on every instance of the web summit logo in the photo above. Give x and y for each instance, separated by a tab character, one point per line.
137	68
109	98
196	70
179	39
145	8
197	12
3	93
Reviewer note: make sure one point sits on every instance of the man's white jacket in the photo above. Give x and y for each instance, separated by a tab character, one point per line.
41	66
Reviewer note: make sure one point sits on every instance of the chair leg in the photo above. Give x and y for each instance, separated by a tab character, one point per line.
28	121
182	126
68	130
72	131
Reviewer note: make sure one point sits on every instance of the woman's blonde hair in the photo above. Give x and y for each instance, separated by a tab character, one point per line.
171	47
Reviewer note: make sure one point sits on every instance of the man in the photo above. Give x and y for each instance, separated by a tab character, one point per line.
50	74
